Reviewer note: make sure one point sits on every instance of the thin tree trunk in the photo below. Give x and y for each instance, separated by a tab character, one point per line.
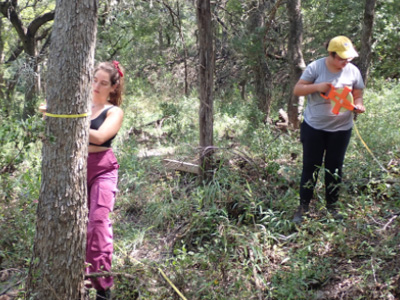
366	38
185	51
297	64
206	71
10	90
262	74
178	25
31	84
57	266
3	101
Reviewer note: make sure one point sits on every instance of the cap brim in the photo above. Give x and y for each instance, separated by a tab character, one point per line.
351	53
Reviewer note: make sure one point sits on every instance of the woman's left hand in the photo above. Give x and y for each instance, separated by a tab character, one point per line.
358	101
359	109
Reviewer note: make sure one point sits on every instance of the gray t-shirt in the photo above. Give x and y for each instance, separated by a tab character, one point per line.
318	113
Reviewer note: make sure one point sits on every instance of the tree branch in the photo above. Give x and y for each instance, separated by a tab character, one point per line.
14	55
26	35
8	9
39	21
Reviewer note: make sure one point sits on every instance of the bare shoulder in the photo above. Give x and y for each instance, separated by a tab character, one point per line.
116	110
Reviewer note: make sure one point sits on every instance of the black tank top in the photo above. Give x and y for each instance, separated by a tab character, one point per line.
96	123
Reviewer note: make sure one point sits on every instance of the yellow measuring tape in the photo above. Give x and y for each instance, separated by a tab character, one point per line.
369	150
166	279
171	284
67	116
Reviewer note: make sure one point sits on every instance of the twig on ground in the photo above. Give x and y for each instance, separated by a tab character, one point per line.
388	223
11	286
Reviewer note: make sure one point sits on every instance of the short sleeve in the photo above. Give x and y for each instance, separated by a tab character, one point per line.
310	74
358	82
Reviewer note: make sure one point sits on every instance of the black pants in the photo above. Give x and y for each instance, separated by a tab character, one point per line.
316	144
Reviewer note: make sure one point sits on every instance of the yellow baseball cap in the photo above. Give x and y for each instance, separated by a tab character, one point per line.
342	46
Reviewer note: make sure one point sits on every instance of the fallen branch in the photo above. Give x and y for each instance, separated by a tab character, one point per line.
181	166
158	122
388	223
283	119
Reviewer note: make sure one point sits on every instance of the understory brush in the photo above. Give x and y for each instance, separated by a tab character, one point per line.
231	237
19	187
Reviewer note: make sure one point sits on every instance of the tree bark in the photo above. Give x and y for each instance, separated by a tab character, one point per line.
366	38
206	72
57	266
296	62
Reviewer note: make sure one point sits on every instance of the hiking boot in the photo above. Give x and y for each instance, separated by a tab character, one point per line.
301	211
103	295
334	212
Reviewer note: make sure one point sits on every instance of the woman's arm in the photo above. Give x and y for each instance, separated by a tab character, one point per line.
358	101
109	128
304	88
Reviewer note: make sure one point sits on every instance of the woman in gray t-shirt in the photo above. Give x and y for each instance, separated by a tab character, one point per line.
324	134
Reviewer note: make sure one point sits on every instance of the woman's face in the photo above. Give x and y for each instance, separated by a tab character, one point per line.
102	85
339	62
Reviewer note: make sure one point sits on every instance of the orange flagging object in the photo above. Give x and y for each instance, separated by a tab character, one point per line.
340	99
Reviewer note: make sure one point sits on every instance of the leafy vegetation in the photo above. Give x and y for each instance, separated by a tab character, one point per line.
232	237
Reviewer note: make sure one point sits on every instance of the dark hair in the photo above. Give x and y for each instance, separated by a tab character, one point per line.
116	72
326	44
333	54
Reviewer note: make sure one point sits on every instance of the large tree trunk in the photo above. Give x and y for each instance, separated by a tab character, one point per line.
297	64
366	38
206	71
57	267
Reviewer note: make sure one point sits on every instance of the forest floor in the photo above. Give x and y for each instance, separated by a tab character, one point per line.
250	249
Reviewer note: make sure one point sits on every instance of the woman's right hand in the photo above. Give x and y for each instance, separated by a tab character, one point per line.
304	88
43	107
323	87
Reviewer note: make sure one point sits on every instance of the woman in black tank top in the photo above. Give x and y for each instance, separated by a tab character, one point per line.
97	122
102	176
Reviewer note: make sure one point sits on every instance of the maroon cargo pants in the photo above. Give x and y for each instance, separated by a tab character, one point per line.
102	177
